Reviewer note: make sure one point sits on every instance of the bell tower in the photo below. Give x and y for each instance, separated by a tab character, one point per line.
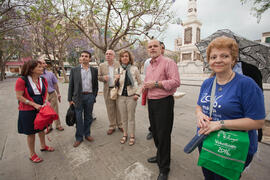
191	34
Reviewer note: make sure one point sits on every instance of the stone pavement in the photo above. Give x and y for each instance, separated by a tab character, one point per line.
106	158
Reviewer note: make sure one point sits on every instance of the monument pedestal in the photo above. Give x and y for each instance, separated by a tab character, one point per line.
190	67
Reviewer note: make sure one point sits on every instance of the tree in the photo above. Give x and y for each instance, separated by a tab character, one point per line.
260	6
12	13
11	46
52	32
107	23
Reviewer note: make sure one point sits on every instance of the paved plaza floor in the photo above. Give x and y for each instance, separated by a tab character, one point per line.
106	158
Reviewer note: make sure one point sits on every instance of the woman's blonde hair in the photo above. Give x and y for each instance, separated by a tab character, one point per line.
223	42
131	60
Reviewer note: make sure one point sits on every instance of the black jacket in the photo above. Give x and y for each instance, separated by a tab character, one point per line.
75	84
253	72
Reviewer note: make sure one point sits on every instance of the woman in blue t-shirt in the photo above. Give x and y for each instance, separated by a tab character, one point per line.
238	104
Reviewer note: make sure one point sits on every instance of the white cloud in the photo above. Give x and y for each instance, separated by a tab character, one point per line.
220	14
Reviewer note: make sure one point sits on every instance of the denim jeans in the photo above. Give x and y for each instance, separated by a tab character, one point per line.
84	116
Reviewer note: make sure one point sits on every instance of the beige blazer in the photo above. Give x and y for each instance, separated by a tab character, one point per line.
137	88
103	70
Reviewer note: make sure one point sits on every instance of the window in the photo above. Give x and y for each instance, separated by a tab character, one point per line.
188	35
186	56
267	39
198	35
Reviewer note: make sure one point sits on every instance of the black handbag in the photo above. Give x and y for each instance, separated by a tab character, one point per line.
71	116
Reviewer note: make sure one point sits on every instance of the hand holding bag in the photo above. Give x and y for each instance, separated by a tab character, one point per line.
113	93
71	116
45	117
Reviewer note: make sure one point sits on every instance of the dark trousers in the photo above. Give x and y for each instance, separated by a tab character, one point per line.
161	115
84	116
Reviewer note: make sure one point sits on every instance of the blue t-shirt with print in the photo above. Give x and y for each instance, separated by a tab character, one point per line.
240	98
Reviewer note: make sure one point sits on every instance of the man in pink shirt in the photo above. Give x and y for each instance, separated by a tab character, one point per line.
161	81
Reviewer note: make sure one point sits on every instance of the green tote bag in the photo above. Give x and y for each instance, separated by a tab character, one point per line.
224	152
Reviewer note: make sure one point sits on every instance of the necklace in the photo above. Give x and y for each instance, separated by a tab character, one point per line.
220	88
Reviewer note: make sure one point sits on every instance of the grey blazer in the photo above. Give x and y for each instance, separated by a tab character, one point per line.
75	84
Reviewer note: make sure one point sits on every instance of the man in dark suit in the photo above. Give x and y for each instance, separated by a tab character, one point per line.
82	92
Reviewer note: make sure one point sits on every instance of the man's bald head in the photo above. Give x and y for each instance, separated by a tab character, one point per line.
154	48
109	55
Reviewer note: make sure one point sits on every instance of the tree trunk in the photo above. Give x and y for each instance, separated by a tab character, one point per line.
2	66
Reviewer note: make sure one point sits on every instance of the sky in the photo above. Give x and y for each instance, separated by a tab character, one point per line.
219	14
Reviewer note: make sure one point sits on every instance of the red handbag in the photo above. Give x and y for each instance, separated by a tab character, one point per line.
144	97
45	117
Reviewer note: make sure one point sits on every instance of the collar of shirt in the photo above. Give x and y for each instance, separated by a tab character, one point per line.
82	66
157	60
238	68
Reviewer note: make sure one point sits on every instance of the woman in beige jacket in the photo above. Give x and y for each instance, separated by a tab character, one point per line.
128	93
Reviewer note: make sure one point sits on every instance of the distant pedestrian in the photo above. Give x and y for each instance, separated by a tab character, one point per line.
161	81
59	71
106	75
129	91
82	92
31	91
54	95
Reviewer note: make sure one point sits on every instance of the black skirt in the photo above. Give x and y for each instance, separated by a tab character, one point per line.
26	122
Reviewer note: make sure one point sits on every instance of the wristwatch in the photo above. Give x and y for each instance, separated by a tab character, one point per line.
222	124
27	101
156	84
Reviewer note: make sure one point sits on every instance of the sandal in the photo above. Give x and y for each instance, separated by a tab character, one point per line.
48	149
131	141
35	159
60	128
48	130
123	140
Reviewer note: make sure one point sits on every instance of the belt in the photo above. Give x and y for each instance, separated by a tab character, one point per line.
86	93
111	87
51	92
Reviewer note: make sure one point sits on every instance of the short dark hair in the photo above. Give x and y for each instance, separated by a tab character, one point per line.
87	52
29	66
162	43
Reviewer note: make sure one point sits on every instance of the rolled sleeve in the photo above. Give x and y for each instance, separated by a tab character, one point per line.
173	79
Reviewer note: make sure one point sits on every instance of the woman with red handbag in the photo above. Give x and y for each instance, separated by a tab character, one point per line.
31	92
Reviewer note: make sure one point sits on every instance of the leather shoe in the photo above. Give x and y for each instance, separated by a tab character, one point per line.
149	136
121	129
110	131
152	159
162	176
77	143
89	138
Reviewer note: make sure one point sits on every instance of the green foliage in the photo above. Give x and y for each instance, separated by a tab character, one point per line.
259	7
